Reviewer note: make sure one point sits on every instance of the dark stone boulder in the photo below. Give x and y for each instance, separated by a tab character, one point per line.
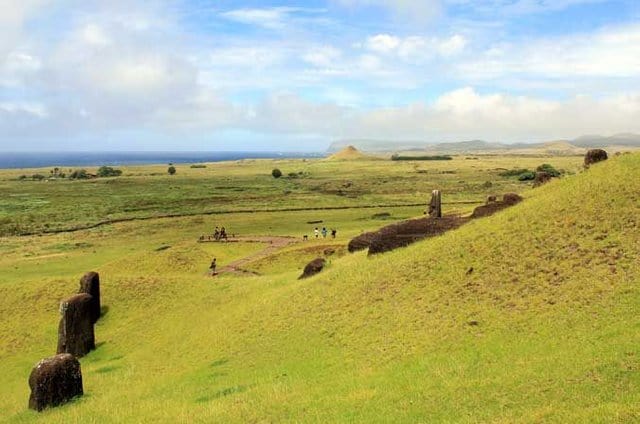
360	242
54	381
329	251
541	178
314	267
90	284
511	198
75	332
594	156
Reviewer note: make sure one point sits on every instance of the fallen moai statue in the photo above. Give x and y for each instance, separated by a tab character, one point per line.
407	232
90	284
314	267
75	332
404	233
54	381
360	242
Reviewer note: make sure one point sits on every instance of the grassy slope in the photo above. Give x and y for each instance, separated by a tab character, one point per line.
555	290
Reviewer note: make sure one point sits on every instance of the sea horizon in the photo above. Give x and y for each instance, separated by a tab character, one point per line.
27	159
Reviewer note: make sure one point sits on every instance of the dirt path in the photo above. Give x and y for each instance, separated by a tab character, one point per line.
274	243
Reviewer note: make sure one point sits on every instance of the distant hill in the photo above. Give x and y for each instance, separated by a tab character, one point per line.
624	139
348	153
577	146
370	145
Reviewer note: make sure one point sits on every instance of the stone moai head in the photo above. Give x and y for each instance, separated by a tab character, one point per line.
54	381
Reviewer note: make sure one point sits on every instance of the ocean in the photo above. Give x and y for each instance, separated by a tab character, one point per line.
75	159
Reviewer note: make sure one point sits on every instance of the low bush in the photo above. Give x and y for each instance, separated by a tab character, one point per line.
107	171
79	174
527	176
435	157
549	169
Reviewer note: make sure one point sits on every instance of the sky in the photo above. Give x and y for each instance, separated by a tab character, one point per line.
295	76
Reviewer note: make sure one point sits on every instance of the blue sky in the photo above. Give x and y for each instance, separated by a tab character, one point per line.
268	75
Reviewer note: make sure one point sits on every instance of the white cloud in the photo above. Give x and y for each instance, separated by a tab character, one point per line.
36	110
464	113
416	49
94	34
323	56
290	113
417	11
383	43
612	52
273	18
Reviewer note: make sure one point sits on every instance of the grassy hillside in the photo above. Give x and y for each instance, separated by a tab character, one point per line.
527	316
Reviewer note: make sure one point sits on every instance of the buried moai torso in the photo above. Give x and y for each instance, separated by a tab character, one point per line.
435	205
90	284
75	332
54	381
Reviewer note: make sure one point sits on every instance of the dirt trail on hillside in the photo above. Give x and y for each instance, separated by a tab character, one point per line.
275	243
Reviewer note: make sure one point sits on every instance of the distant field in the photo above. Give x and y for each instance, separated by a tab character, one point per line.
148	191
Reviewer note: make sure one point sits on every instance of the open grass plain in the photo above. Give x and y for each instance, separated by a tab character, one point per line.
545	328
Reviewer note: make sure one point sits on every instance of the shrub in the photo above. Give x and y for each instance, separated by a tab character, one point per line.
22	177
198	166
171	170
435	157
79	174
276	173
549	169
527	176
107	171
37	177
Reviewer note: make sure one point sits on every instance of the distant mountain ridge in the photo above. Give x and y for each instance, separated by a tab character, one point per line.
568	146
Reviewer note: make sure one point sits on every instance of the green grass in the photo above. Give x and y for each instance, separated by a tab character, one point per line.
555	293
147	191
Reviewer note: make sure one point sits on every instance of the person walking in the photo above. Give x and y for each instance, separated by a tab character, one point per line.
212	267
324	232
333	233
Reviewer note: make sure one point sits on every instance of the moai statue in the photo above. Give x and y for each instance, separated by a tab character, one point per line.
75	332
90	284
54	381
435	206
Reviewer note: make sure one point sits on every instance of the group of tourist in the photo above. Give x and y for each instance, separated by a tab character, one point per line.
218	234
317	232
